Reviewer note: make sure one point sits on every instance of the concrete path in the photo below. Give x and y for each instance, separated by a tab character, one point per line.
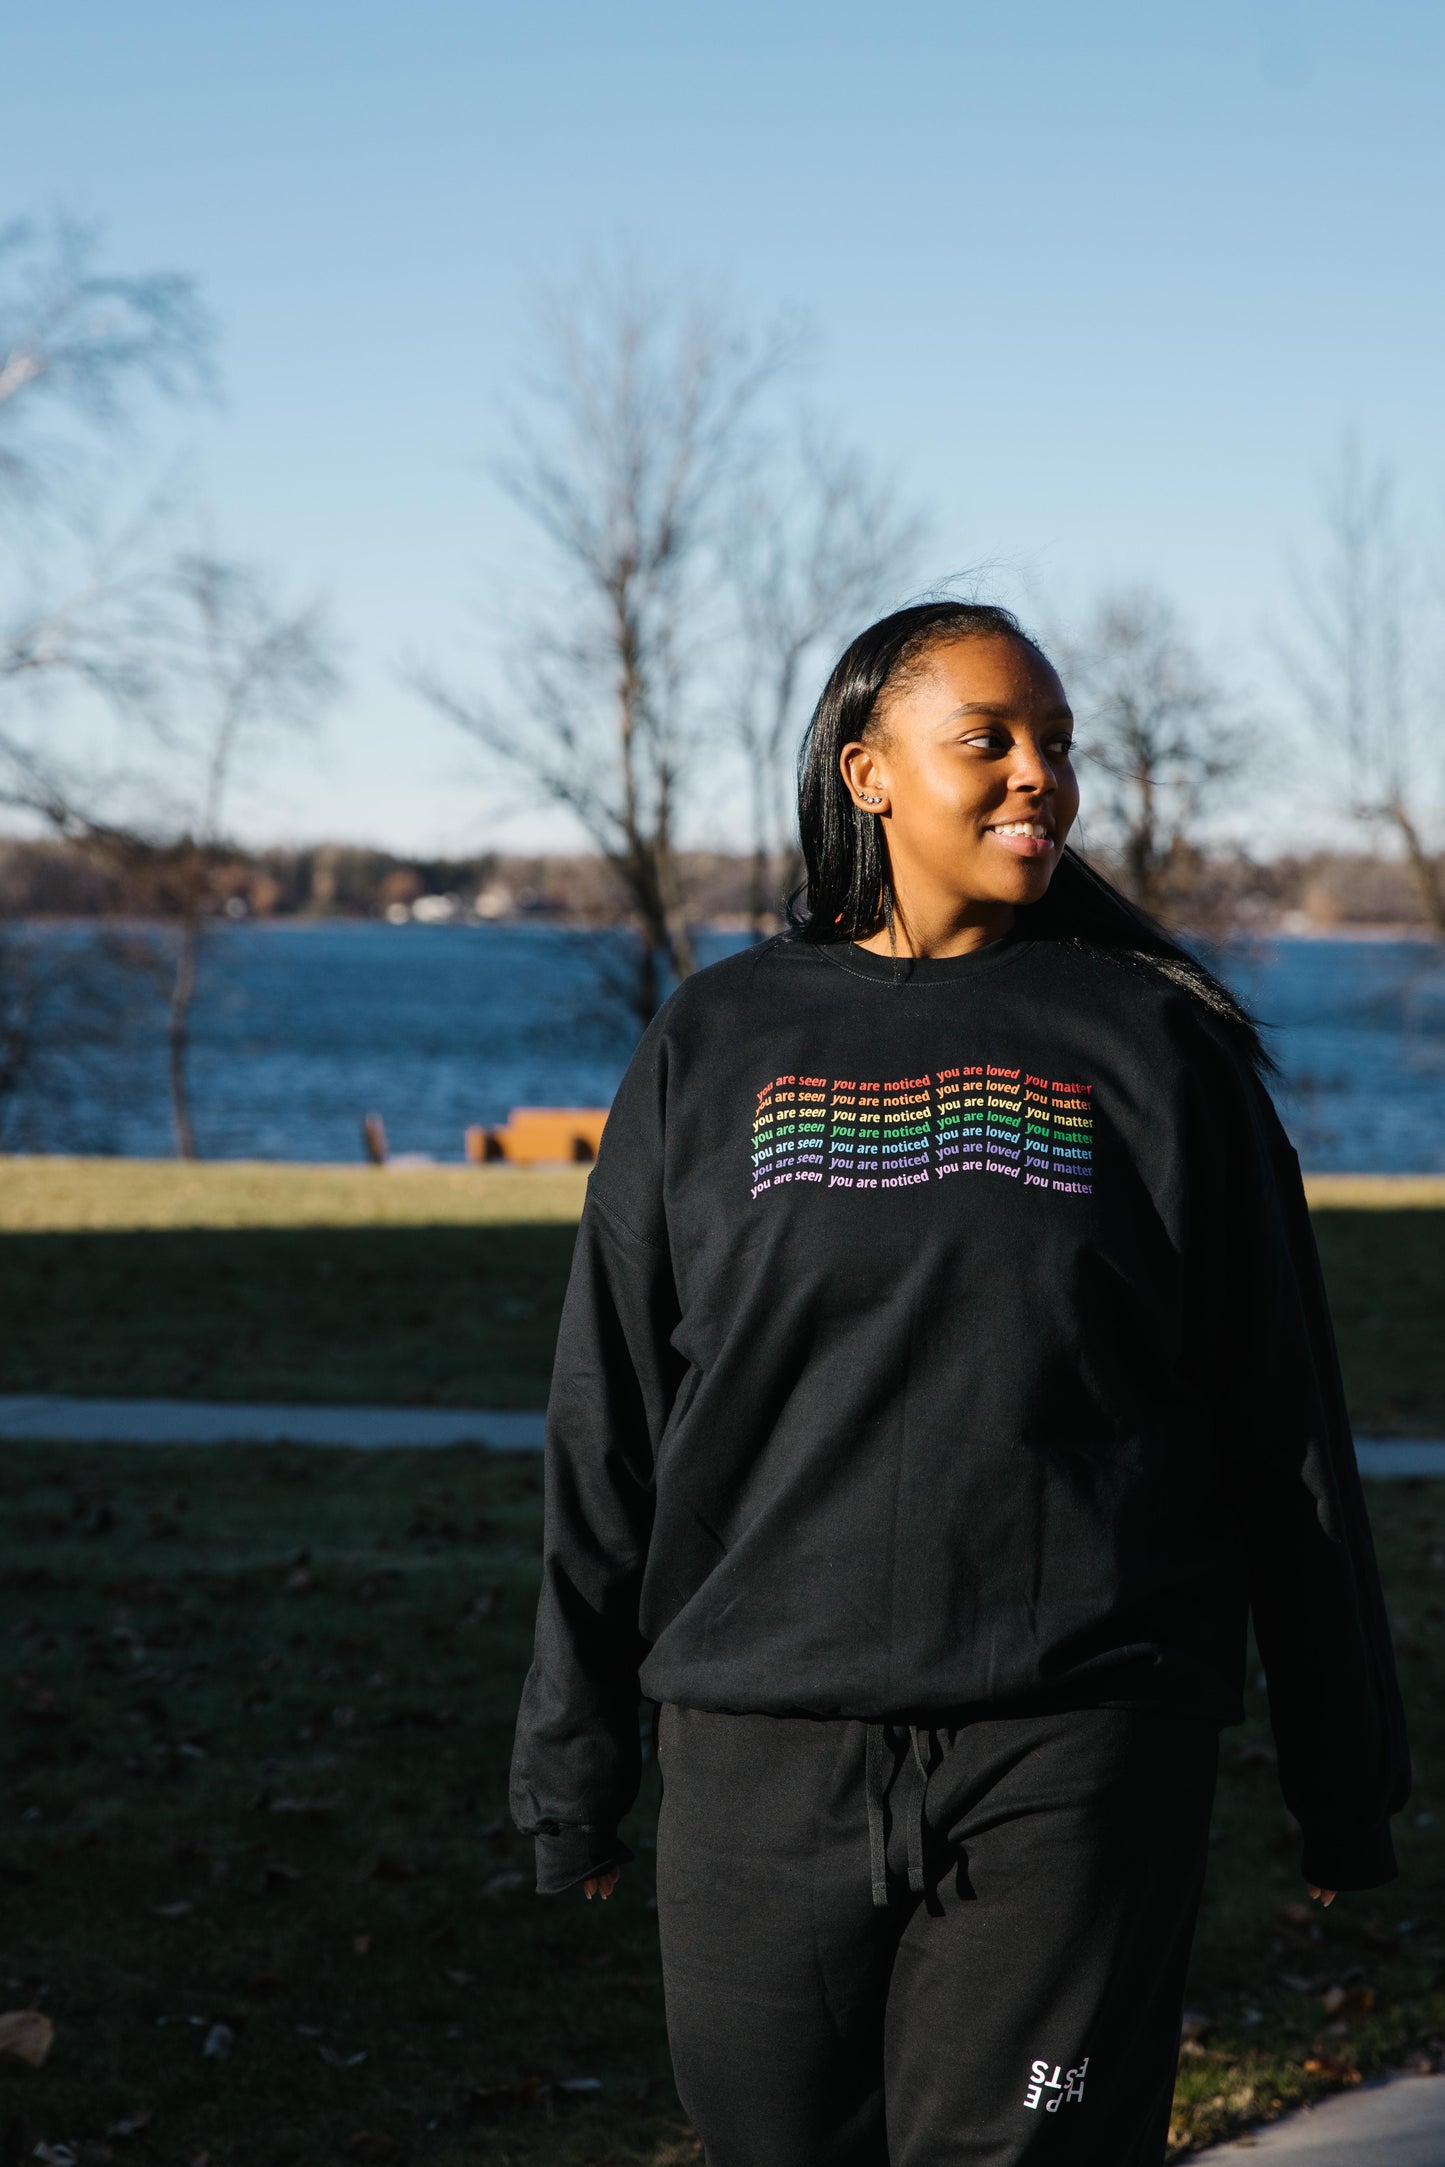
1388	1458
214	1422
1394	2122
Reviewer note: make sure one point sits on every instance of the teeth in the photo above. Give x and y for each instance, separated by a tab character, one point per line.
1035	828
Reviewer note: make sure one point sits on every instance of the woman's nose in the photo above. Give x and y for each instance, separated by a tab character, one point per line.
1031	771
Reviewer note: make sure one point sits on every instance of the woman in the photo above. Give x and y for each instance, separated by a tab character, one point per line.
945	1373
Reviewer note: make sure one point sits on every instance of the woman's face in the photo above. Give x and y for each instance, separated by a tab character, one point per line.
969	765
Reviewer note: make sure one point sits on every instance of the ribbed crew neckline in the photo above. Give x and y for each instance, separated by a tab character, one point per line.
919	971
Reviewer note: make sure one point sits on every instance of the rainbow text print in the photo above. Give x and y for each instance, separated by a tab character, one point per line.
843	1132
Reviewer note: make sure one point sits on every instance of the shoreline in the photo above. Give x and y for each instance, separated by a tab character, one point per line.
1361	930
555	1187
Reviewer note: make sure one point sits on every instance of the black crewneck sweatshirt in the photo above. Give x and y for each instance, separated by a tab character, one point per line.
948	1336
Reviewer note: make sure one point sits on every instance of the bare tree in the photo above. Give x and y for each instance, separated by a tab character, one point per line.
237	666
77	347
817	543
1358	664
81	350
92	638
634	439
246	667
1163	733
195	654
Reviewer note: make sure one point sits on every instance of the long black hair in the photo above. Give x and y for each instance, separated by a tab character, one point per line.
848	890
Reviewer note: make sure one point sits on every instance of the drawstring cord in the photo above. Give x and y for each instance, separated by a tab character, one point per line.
915	1818
887	1773
876	1761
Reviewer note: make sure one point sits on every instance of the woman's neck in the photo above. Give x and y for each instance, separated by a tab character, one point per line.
953	931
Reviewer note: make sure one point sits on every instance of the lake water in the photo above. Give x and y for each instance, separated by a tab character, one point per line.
301	1029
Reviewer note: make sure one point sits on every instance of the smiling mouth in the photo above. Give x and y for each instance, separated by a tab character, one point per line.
1023	838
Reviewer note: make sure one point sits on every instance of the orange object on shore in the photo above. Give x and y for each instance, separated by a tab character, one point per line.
532	1135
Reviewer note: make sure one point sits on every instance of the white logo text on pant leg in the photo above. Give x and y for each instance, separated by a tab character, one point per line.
1053	2086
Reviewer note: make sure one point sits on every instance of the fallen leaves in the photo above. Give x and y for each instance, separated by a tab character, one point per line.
300	1580
220	2043
427	1719
488	2102
432	1527
26	2035
379	1583
38	1702
133	2124
1347	2001
29	1580
1322	2064
277	1879
322	1810
504	1884
369	2144
389	1867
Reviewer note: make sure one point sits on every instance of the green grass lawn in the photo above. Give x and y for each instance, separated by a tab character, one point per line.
451	1315
443	1284
1386	1276
255	1775
429	1285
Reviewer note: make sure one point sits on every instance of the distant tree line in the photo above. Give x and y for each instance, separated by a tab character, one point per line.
45	878
1215	893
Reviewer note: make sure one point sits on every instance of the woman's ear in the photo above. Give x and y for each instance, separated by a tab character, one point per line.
866	781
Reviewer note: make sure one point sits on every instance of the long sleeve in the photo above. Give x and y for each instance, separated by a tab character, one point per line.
1319	1612
576	1762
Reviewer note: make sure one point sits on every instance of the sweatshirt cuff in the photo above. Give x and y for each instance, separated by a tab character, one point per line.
1358	1858
570	1855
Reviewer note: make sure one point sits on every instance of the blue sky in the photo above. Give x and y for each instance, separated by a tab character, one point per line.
1103	286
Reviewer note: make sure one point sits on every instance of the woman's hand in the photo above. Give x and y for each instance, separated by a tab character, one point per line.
603	1884
1326	1896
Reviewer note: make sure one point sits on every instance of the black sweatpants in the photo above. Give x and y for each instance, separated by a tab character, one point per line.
895	1947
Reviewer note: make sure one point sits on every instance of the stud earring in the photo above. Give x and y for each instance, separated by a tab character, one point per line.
871	801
